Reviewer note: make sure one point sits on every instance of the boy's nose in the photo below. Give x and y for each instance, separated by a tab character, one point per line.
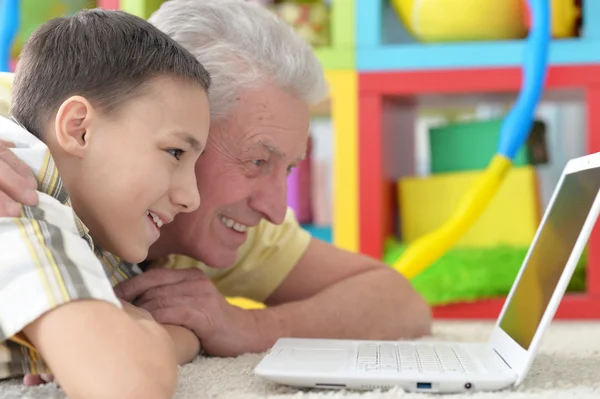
186	195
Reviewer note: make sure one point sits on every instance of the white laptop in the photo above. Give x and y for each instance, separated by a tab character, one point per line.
449	367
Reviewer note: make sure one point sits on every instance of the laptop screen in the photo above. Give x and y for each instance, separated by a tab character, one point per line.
549	255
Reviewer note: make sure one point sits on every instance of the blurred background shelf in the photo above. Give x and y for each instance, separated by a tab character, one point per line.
392	89
384	43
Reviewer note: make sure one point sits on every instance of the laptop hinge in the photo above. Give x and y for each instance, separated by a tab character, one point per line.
504	360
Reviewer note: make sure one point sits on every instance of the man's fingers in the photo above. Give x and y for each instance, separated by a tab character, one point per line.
164	302
196	321
18	187
8	207
197	289
131	289
13	162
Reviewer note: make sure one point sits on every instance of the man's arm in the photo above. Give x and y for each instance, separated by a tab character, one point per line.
332	293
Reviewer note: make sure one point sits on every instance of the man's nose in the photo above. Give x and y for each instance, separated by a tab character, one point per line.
270	199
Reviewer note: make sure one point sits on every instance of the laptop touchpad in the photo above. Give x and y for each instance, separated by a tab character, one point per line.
314	359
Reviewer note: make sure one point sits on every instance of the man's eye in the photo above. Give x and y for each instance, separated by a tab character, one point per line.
176	153
258	162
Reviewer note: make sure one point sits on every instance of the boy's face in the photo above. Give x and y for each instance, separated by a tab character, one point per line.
136	168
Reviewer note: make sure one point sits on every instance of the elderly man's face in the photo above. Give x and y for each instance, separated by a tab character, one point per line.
242	176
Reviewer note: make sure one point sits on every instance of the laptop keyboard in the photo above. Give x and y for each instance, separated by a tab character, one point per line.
421	357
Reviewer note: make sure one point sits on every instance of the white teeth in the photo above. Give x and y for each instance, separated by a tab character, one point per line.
240	228
158	221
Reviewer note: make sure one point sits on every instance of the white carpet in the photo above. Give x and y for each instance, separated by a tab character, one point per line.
568	366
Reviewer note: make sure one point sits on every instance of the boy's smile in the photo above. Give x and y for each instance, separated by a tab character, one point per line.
155	222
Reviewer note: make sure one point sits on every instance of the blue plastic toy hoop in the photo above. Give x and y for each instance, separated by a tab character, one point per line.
10	17
517	124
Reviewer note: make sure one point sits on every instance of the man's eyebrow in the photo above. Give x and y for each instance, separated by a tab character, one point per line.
272	149
190	140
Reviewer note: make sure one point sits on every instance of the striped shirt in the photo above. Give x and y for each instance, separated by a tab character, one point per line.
47	258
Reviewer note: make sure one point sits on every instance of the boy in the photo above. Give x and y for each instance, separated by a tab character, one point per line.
108	95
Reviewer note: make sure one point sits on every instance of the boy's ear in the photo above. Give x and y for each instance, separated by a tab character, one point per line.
72	124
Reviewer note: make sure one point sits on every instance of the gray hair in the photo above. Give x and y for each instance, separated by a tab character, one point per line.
243	46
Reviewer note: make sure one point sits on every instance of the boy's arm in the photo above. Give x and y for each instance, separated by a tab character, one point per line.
187	344
96	350
55	291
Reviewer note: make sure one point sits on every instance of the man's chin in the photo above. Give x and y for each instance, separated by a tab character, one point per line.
220	258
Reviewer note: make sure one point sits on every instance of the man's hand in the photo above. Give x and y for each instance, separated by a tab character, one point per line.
17	183
188	298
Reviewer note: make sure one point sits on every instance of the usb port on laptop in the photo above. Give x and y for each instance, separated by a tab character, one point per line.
423	385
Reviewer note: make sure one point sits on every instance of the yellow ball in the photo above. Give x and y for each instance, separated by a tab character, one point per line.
462	20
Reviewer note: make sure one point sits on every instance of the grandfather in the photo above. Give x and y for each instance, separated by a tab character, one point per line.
243	241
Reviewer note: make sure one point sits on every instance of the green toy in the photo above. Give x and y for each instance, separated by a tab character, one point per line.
472	274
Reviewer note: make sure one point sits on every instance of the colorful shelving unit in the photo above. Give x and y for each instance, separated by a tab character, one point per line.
339	62
341	54
344	113
392	77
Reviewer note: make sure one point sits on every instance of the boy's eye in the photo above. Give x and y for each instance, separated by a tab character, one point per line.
176	153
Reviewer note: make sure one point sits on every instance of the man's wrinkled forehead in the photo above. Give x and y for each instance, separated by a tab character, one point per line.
274	150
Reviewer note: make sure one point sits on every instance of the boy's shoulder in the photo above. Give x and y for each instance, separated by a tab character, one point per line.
36	155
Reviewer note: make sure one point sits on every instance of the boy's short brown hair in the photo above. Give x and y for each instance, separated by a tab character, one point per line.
104	56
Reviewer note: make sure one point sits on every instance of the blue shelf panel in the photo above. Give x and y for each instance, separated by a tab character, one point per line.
471	55
323	233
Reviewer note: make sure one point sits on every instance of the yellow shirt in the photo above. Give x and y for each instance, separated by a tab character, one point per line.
269	254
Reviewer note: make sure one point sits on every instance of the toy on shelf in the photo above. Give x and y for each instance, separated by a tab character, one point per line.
462	20
310	19
566	15
517	125
10	16
468	146
472	275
